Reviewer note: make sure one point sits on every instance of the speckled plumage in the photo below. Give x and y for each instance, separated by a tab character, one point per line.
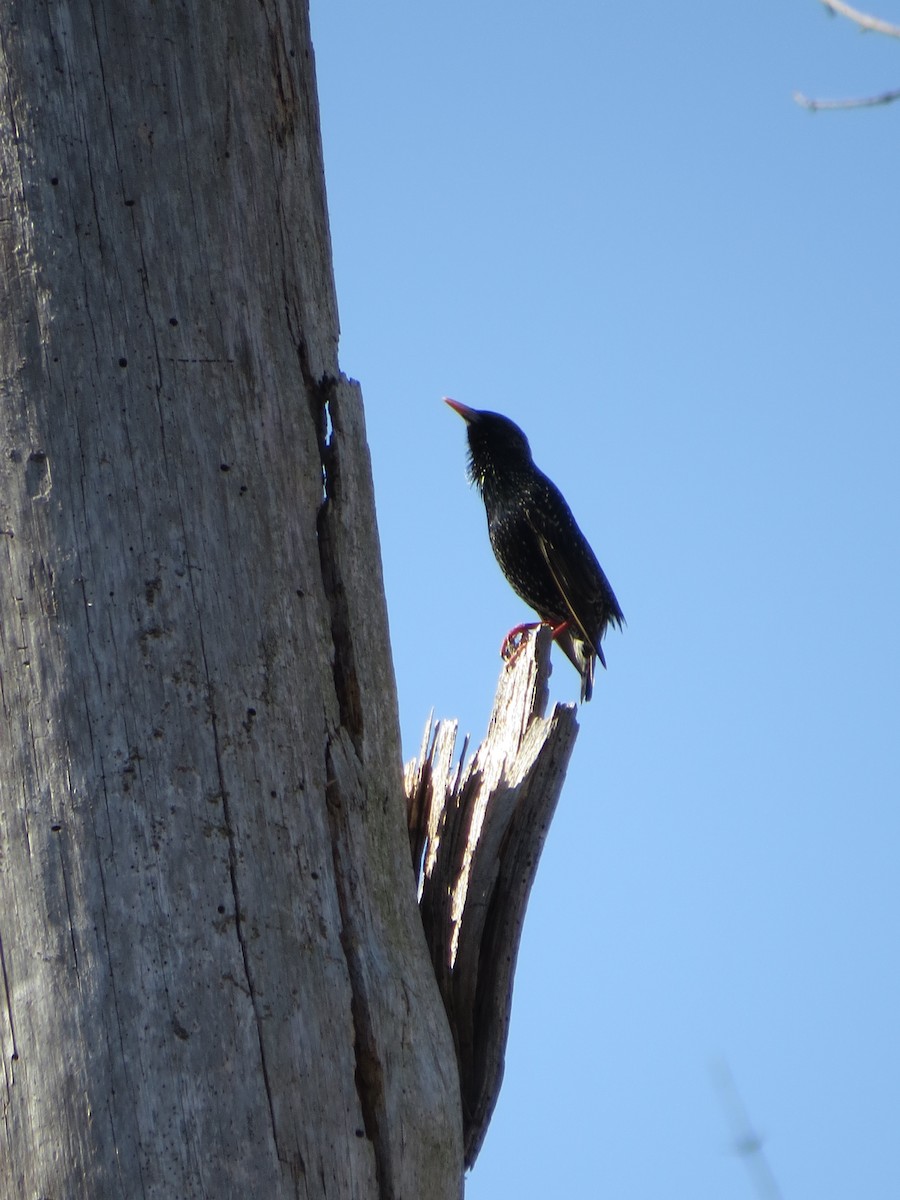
536	540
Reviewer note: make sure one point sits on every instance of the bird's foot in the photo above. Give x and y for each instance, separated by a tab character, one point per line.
515	639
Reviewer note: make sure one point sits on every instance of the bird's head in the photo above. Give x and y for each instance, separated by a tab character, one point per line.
496	444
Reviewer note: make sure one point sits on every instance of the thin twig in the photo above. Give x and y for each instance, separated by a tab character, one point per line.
813	105
747	1142
866	23
863	20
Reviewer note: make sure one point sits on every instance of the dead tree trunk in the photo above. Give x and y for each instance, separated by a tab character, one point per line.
477	830
213	979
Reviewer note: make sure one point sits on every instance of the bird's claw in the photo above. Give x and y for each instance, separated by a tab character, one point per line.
515	640
512	644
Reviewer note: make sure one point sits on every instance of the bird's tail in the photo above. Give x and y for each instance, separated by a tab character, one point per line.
587	678
582	658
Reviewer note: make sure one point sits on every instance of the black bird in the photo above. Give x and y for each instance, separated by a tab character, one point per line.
537	543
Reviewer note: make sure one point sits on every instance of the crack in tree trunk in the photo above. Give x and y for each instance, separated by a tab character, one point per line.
369	1069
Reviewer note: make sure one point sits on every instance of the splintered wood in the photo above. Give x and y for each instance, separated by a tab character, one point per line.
476	835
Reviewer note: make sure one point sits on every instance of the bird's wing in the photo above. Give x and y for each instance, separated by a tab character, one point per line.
564	576
575	570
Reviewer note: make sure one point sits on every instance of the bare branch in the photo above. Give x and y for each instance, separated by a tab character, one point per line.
813	105
476	835
863	20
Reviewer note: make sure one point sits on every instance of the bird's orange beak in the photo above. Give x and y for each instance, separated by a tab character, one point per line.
467	414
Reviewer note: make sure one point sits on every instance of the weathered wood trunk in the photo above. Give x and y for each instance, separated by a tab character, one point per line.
213	977
476	831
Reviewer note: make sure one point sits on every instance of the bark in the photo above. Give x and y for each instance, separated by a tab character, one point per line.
476	835
213	977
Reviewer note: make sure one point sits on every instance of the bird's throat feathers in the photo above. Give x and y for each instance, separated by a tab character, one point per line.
476	471
489	476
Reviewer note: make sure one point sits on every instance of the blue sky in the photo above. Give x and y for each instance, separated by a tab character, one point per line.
612	223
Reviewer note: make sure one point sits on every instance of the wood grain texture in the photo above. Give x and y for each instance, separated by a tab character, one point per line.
213	979
476	834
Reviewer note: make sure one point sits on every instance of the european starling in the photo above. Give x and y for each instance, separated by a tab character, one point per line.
539	547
